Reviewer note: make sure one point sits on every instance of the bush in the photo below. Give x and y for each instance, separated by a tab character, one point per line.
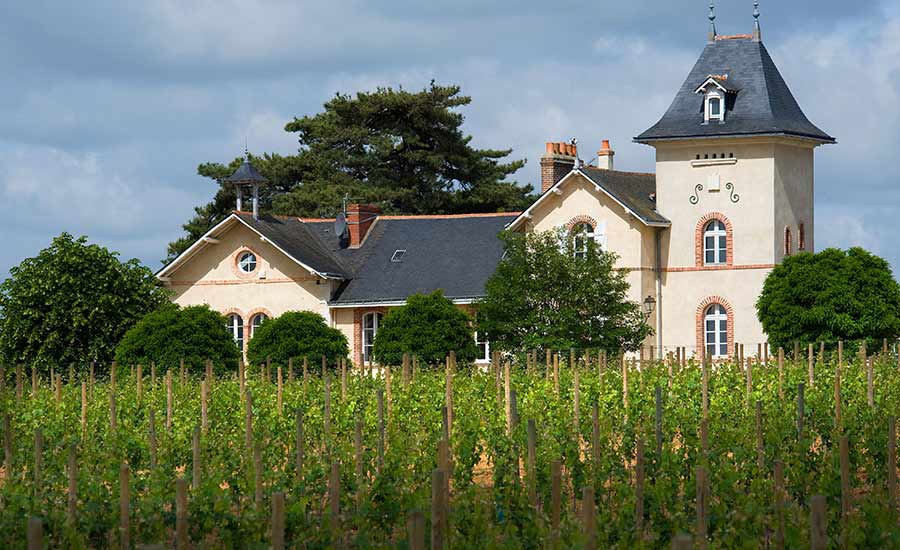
72	303
829	296
194	333
297	334
429	327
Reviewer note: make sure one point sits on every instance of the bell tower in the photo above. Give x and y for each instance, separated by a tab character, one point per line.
247	176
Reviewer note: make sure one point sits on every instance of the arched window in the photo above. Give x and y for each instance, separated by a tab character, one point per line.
715	323
801	238
370	322
256	321
788	243
715	243
582	234
236	328
715	110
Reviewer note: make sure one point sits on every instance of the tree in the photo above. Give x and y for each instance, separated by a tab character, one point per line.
542	296
829	296
72	303
297	334
404	151
429	327
172	333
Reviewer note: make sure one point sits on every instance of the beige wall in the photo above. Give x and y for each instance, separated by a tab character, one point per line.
794	194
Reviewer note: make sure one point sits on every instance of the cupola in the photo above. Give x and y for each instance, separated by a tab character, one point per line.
247	176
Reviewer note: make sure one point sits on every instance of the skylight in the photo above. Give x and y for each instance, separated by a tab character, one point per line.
398	256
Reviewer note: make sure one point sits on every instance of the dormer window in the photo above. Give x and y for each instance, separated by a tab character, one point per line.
715	89
715	111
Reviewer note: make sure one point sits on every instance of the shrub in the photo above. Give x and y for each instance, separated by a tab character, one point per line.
828	296
194	333
297	334
429	327
72	303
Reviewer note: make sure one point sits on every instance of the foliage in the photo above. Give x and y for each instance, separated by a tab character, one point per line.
170	334
828	296
541	296
429	327
297	334
72	303
489	501
404	151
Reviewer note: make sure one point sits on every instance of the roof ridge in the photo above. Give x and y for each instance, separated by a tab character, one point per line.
621	171
396	217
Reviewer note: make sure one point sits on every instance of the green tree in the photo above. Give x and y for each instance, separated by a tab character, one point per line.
72	303
172	333
542	296
297	334
404	151
828	296
429	327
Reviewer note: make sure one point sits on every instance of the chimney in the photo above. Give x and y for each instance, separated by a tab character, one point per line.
558	161
605	156
360	218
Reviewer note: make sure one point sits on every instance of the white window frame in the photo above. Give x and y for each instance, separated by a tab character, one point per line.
709	116
370	322
243	267
719	236
584	232
715	331
255	321
236	327
486	357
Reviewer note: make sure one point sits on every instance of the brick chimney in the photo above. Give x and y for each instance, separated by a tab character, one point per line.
605	156
360	218
556	163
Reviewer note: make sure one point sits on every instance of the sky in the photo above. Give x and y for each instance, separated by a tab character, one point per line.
107	107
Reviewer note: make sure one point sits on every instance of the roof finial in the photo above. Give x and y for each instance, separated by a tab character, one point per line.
712	22
757	33
246	150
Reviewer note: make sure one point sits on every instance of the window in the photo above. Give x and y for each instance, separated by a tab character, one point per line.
716	331
398	256
370	322
256	321
236	328
714	107
581	235
715	243
247	262
484	349
788	243
801	238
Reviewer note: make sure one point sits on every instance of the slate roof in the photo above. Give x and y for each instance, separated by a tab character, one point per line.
246	173
635	190
762	104
298	240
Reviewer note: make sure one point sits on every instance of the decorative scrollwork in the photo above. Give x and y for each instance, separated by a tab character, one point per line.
695	198
733	196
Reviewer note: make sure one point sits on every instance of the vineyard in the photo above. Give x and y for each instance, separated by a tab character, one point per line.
543	452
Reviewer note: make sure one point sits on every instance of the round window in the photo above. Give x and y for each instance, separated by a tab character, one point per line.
247	262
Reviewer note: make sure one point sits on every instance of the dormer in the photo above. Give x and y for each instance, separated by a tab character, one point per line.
715	90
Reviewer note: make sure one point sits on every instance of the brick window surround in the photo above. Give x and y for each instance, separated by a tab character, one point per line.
358	314
700	321
237	256
248	320
579	219
698	241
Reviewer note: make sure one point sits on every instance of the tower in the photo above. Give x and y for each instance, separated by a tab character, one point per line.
247	176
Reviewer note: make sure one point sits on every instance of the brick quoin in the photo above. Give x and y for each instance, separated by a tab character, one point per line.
701	332
698	238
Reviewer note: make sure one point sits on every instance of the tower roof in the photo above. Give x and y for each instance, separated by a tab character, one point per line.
758	102
246	174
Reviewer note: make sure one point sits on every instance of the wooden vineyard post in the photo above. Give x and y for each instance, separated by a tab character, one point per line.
140	383
257	476
639	490
248	421
38	464
588	518
514	423
242	374
704	437
326	416
415	530
169	401
760	447
404	371
305	374
7	444
576	405
204	397
448	393
379	457
290	376
124	507
181	527
358	458
556	373
438	521
845	478
507	390
152	437
210	375
749	381
196	464
781	374
892	462
299	446
801	409
595	438
72	496
705	388
35	536
530	463
810	365
112	409
83	408
555	496
153	374
278	521
796	356
334	503
779	505
818	530
840	360
870	383
279	398
700	530
658	423
443	462
19	383
343	365
387	392
837	397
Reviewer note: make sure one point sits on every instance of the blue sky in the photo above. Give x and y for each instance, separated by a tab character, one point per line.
108	107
